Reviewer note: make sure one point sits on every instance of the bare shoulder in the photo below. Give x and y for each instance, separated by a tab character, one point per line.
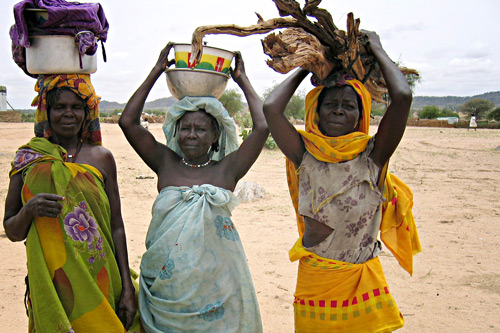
100	158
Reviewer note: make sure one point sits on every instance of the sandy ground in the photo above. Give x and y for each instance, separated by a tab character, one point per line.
454	175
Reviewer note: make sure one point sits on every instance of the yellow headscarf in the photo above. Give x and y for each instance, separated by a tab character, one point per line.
397	230
79	84
341	148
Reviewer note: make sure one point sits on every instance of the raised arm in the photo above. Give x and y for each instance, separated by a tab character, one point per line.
251	147
285	134
393	124
140	138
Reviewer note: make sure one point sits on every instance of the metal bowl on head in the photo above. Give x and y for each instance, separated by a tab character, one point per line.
195	82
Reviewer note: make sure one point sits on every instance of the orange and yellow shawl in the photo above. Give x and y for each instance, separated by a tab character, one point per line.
360	301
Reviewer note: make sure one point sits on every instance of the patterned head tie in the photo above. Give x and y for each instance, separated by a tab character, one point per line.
79	84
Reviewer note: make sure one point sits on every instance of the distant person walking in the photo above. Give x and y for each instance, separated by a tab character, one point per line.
472	123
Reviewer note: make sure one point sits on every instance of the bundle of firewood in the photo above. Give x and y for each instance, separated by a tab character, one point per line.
318	46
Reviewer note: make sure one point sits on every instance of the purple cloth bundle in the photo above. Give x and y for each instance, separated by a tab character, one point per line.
85	21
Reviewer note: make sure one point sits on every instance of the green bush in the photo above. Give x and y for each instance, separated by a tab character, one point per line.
378	109
231	99
429	112
156	112
448	113
27	117
244	133
494	115
270	143
243	119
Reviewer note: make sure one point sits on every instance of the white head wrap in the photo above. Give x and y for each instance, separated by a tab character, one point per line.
228	140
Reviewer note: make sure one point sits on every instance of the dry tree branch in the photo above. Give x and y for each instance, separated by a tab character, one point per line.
319	46
261	27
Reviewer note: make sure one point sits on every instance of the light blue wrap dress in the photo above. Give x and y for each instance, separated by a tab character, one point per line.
194	274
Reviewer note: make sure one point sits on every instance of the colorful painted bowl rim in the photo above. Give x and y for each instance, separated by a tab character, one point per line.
196	70
208	46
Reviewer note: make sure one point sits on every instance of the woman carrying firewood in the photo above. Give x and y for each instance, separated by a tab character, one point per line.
343	196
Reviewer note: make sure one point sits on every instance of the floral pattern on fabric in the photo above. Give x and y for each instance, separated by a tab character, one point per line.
321	217
194	274
347	204
354	228
305	187
24	156
367	240
322	167
167	269
350	181
322	194
81	226
83	229
212	312
345	198
225	228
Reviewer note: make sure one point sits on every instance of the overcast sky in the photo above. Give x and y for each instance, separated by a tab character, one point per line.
454	44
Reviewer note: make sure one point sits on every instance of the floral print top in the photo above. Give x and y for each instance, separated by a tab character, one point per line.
345	197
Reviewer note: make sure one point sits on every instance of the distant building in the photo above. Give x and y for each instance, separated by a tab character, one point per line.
5	115
450	120
3	98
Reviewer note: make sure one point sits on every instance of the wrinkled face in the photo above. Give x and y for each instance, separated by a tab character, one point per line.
339	112
67	114
196	134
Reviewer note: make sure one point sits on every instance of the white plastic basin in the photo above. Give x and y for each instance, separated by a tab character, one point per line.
57	55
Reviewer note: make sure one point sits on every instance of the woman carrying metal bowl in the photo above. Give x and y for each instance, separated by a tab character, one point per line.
194	273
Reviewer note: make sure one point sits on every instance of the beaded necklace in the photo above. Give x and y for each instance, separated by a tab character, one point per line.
196	165
78	147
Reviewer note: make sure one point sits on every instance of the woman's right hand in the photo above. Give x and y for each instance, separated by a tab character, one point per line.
163	62
44	205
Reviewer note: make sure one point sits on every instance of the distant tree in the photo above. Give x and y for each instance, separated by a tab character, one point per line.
157	112
27	117
477	106
412	79
295	107
231	99
494	115
378	109
445	112
429	112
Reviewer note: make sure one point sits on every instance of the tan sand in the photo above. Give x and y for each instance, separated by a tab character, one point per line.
455	178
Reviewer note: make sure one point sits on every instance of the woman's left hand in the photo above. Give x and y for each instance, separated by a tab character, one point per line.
127	308
239	71
373	40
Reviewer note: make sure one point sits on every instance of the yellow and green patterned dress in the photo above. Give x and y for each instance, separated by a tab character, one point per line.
74	281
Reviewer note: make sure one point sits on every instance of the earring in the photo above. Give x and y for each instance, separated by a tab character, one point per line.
215	146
